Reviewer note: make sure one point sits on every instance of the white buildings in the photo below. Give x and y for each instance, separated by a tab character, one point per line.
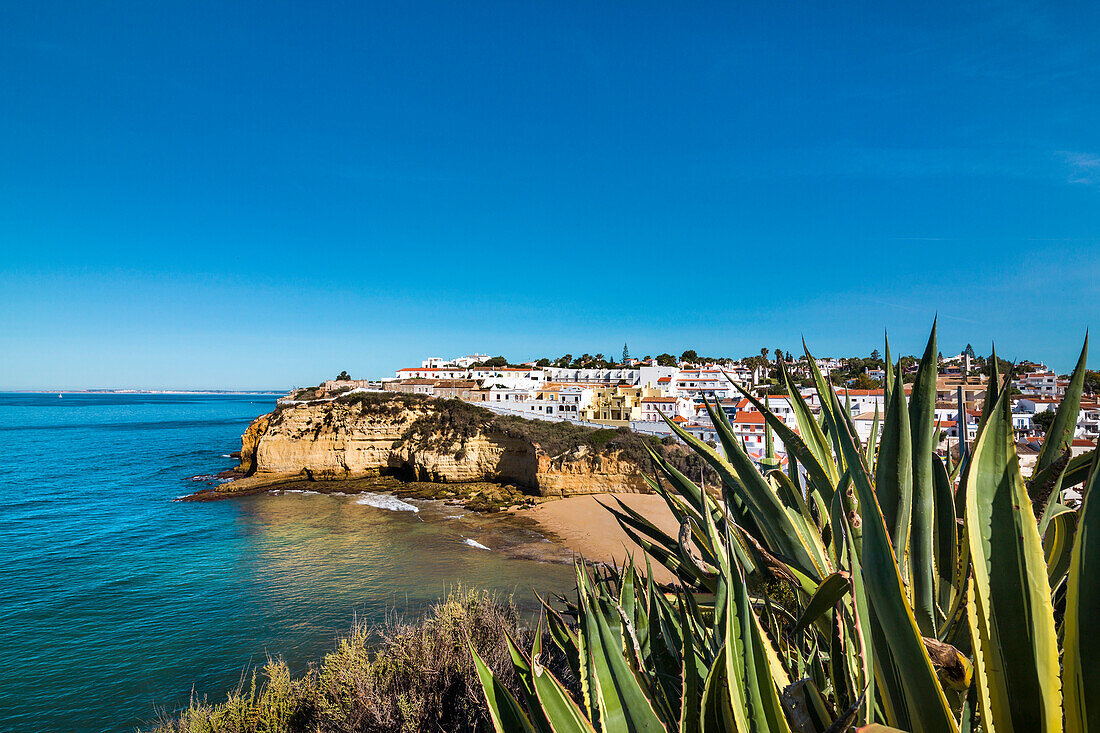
464	362
432	373
470	360
1041	383
658	377
670	407
699	383
606	377
529	376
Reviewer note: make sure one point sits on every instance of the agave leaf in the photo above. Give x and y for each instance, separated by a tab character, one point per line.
717	713
670	559
810	429
664	650
922	411
685	487
777	530
872	442
1082	622
522	664
1060	435
622	702
920	702
946	544
795	445
562	635
992	393
1079	469
564	714
504	709
844	722
765	710
1011	619
807	707
693	674
735	504
888	386
861	624
1058	540
894	472
830	409
827	595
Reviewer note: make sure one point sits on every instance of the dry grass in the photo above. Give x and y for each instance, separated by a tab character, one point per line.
403	676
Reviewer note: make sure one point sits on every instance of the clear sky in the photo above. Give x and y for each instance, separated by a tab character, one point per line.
260	194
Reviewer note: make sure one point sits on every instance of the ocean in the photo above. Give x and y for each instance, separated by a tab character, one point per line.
118	604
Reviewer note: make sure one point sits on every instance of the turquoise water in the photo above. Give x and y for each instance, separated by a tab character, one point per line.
116	601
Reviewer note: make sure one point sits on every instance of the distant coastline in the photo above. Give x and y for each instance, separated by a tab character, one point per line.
148	391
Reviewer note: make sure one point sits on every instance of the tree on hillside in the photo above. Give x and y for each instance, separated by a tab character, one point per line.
876	356
494	363
564	361
862	381
1043	420
1003	366
689	355
1092	382
788	359
778	354
343	376
969	351
666	360
626	354
543	362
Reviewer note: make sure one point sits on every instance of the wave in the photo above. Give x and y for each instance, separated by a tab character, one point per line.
386	501
300	491
474	543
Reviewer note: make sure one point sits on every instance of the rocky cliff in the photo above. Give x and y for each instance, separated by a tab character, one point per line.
443	441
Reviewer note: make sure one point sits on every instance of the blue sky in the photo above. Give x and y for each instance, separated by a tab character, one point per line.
259	195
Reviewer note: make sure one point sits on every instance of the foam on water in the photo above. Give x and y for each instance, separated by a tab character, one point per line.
385	501
474	543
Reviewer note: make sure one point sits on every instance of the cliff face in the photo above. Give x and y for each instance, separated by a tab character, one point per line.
335	440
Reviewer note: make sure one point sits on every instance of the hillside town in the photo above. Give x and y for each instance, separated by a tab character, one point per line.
646	395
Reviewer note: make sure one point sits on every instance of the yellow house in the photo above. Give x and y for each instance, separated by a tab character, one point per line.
616	406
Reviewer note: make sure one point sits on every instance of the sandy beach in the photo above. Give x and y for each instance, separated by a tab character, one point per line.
586	528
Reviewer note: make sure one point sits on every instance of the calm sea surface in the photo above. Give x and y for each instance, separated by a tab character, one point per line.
115	601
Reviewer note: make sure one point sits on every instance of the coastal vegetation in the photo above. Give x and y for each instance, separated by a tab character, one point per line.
924	595
403	676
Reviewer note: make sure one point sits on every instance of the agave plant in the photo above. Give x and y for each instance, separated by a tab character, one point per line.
871	587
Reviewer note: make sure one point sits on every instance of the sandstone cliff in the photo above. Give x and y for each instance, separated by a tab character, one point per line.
429	440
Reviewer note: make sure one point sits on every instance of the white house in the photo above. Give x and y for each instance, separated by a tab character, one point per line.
699	383
1044	383
670	407
656	376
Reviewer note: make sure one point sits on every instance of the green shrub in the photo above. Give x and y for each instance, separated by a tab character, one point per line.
402	676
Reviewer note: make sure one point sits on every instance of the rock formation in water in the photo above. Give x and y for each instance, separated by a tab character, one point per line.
446	441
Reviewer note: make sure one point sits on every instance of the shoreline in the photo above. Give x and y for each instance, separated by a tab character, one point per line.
576	524
479	496
579	524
